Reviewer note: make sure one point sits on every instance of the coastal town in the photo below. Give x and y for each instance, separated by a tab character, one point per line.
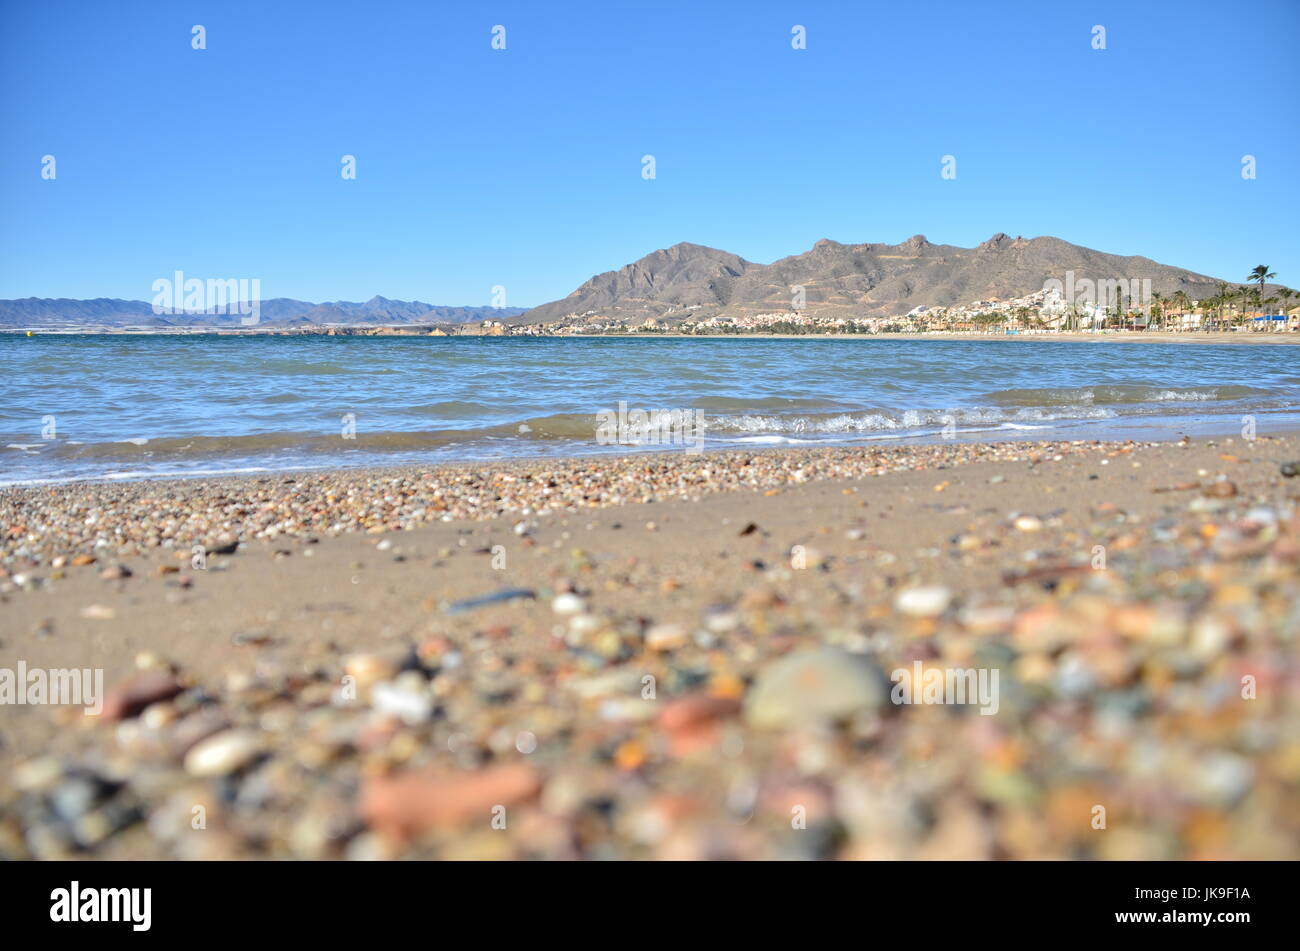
1044	312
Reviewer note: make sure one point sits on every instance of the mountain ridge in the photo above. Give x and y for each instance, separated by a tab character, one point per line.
64	312
869	279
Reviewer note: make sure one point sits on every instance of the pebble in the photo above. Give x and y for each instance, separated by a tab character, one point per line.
813	685
665	637
129	698
369	669
223	753
411	706
412	803
923	602
1221	490
568	603
752	689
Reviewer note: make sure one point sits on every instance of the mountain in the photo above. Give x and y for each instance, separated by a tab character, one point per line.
103	312
673	278
851	279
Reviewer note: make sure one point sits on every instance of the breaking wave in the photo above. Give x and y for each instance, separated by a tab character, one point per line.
1120	394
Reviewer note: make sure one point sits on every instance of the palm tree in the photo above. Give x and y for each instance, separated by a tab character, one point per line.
1260	275
1246	294
1181	301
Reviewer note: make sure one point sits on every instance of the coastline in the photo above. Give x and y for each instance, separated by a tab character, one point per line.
765	593
1190	337
1115	337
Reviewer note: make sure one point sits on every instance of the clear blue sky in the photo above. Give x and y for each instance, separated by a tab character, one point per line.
522	168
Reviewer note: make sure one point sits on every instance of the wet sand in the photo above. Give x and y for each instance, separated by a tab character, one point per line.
695	661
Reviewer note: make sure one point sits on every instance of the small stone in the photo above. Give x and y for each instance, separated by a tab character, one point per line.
1220	490
115	573
223	753
410	706
368	669
129	698
814	685
148	660
1290	469
684	713
665	637
37	774
568	603
927	601
1028	523
409	804
94	612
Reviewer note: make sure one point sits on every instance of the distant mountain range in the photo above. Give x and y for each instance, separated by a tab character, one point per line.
39	312
689	280
851	279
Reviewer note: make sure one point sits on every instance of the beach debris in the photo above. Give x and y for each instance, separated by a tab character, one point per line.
496	597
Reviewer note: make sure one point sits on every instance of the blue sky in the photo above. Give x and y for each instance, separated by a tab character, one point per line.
522	167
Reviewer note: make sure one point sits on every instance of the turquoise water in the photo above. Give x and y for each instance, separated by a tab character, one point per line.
120	407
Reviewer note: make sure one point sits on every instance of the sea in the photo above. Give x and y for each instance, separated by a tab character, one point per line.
114	407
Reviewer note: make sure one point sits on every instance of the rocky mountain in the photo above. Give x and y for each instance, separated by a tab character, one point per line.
851	279
675	278
103	312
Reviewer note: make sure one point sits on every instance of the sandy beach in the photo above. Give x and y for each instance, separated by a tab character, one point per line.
686	657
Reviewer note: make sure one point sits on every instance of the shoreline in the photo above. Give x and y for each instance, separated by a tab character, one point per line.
337	685
1111	337
910	442
469	489
1187	337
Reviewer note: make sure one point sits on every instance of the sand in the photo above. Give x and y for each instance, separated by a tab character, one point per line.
704	675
